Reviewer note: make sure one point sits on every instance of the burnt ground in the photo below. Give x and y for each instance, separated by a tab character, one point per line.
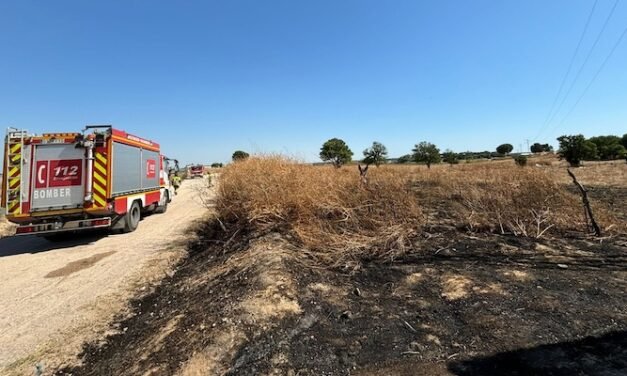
458	304
613	198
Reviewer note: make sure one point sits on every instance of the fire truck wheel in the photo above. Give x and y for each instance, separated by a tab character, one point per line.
132	218
163	204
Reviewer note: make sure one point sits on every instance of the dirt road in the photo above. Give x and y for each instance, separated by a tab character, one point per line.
54	296
6	228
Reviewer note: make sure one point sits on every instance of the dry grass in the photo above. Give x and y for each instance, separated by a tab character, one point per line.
597	174
502	198
594	173
329	210
337	217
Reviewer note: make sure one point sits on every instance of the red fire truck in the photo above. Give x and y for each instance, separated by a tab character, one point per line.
103	177
196	171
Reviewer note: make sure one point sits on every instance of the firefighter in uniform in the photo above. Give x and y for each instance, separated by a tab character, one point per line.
176	182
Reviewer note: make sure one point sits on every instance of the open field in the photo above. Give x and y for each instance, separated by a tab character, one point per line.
310	271
606	181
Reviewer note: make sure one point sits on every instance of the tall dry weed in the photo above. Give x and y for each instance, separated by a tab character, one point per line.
329	210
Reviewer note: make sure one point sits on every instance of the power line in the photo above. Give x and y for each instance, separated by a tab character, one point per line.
570	66
570	88
618	42
596	41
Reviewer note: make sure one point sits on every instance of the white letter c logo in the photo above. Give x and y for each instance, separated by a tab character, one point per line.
40	177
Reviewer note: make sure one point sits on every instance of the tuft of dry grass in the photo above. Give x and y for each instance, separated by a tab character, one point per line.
329	210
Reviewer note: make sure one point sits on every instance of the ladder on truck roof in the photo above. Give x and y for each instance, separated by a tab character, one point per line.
14	160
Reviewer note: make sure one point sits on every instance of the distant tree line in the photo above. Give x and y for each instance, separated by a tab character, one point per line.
573	148
337	152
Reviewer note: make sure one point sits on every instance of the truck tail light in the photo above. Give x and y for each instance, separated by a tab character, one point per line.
25	229
100	222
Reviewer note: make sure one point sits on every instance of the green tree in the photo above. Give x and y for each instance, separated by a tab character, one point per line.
623	141
239	155
376	154
504	149
426	152
575	148
336	151
216	165
404	159
608	147
541	148
450	157
536	148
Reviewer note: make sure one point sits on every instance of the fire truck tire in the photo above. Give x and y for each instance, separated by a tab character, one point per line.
163	206
132	217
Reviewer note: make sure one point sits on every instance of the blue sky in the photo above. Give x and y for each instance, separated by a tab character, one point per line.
206	78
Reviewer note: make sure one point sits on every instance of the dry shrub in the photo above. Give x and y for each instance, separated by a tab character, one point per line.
329	210
503	199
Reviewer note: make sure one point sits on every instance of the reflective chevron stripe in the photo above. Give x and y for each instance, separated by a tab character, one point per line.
100	179
15	176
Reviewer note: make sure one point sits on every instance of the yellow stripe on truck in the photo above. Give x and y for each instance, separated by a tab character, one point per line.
14	183
100	168
100	201
13	207
101	159
100	190
100	179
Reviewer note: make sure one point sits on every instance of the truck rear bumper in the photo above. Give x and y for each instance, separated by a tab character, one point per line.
56	227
